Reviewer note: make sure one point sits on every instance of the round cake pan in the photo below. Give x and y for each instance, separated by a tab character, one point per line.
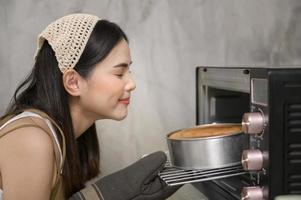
208	146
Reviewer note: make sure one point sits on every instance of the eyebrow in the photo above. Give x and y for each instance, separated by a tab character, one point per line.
123	64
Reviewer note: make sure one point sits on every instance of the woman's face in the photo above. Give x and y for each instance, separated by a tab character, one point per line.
107	90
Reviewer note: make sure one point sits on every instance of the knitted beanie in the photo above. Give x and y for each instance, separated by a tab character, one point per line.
68	37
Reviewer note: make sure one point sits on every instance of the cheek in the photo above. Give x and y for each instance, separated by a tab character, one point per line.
105	90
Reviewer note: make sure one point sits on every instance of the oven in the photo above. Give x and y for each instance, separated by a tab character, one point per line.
267	101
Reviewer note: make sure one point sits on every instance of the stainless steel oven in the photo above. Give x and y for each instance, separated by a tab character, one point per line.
267	101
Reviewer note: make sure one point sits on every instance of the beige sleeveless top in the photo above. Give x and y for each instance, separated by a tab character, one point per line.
30	117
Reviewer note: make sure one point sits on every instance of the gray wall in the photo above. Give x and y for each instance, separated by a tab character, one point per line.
168	39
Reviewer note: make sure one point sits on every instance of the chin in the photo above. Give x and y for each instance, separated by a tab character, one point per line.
119	116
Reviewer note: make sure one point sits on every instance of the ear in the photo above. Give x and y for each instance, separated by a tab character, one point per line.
72	82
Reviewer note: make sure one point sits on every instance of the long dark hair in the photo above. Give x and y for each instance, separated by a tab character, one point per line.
43	89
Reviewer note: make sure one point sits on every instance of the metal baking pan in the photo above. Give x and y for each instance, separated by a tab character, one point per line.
222	148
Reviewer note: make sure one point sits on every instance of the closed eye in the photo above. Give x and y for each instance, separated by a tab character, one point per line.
122	71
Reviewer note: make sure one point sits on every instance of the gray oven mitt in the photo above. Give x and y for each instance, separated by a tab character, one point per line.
139	181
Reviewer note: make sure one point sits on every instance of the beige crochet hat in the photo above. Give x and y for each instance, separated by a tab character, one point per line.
68	37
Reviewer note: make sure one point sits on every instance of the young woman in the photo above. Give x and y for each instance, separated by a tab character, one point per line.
48	141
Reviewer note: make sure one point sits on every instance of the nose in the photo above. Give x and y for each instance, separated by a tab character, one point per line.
130	85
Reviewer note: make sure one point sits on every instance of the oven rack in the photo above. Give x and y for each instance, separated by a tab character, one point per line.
174	176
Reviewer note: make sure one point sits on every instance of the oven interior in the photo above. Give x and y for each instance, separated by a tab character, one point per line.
225	106
222	97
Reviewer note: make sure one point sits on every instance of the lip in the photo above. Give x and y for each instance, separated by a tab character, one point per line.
125	101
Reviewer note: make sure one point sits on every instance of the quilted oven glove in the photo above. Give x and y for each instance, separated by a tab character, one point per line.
139	181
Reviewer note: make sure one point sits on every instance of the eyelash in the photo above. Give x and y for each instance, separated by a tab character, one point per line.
121	75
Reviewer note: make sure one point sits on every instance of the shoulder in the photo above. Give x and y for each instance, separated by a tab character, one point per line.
26	161
30	138
25	144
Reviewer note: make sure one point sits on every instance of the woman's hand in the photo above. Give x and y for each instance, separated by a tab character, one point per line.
139	181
